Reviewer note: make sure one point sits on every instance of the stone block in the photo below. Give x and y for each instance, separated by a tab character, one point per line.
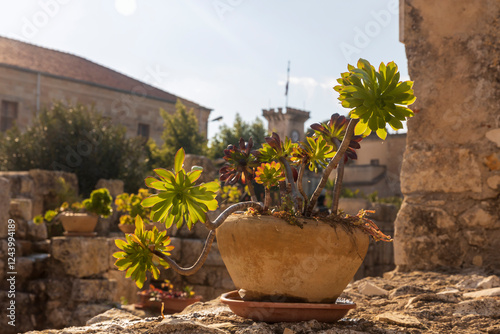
447	170
42	246
46	185
80	256
57	315
214	258
40	264
24	268
190	250
24	247
59	289
115	187
21	229
36	232
176	252
427	237
4	206
93	290
477	217
21	208
125	287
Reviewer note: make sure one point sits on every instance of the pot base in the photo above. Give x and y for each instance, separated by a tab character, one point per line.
287	312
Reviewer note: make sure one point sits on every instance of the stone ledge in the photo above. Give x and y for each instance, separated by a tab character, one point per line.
418	302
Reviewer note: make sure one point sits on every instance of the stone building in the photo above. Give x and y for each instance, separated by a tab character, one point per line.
378	166
33	77
288	124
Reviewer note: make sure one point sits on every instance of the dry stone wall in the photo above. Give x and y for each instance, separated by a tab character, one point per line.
64	281
451	169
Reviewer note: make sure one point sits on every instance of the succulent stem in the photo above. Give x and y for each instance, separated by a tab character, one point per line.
333	163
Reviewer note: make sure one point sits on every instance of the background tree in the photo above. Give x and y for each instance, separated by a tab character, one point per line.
180	130
78	140
231	135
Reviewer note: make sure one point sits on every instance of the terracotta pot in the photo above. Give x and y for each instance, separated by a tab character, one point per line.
126	228
171	305
274	260
78	224
129	228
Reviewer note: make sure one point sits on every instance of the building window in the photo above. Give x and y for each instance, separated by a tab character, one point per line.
8	115
374	162
143	130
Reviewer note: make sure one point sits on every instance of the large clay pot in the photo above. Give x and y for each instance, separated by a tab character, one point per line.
272	259
78	224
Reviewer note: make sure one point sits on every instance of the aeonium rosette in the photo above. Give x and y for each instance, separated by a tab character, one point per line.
179	198
240	165
137	258
269	174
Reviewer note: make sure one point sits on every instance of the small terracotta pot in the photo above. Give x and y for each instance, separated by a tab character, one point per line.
78	224
129	228
126	228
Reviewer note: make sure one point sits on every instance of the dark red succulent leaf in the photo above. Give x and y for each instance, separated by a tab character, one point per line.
336	129
240	162
317	127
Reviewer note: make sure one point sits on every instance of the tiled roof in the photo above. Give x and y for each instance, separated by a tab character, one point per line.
60	64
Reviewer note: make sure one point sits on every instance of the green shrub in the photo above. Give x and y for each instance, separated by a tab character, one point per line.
78	140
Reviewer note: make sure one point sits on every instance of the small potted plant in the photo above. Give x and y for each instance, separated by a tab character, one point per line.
165	295
80	218
131	205
281	251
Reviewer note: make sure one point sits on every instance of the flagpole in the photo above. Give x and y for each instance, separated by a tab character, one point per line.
286	88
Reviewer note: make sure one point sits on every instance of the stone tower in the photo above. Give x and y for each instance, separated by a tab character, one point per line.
289	124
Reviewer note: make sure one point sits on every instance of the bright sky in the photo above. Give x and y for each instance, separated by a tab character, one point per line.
228	55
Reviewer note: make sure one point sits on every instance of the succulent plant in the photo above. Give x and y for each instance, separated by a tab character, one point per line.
376	98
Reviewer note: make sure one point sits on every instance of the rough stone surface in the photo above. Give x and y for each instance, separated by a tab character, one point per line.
21	207
91	290
370	289
115	187
492	281
210	173
451	214
494	292
487	307
80	256
126	290
408	311
36	232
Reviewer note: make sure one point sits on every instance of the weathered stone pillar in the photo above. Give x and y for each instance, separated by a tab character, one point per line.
451	170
